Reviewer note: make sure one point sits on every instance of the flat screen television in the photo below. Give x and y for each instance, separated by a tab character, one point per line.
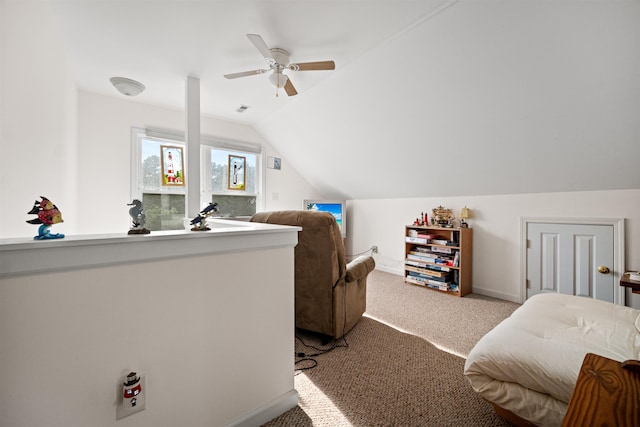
337	208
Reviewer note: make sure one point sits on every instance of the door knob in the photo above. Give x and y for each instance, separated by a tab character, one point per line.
603	269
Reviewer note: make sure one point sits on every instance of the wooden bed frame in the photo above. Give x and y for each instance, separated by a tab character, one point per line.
511	417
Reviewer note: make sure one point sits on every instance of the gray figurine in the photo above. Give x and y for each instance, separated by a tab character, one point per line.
138	218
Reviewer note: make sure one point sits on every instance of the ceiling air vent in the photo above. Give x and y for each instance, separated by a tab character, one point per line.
242	108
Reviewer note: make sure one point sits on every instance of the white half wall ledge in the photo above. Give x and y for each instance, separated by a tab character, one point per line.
28	256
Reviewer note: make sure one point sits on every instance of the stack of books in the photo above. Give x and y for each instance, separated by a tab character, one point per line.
426	275
442	256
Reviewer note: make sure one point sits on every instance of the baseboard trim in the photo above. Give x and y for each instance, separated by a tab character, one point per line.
267	412
474	289
494	294
396	271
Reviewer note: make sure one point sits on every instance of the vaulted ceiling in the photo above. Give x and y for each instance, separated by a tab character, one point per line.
428	98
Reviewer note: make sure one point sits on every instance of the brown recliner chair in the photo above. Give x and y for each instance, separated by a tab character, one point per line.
330	296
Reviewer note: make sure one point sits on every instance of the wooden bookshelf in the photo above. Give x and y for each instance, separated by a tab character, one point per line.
439	258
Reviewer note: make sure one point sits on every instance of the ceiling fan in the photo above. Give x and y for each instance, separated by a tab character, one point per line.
278	61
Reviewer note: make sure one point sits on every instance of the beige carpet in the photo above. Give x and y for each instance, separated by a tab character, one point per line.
402	364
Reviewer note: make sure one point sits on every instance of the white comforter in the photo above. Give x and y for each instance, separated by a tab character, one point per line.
529	363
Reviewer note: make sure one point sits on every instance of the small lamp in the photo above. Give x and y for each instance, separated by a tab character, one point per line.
465	213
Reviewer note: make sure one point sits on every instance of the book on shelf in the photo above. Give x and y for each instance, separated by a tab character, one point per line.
417	278
440	264
414	281
456	259
444	279
414	263
426	271
423	256
438	287
441	286
442	250
425	279
411	239
439	241
423	276
422	249
444	261
432	255
428	236
456	277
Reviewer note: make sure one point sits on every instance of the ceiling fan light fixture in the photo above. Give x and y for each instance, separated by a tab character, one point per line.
127	86
278	79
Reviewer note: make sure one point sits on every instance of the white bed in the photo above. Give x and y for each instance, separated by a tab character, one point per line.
529	363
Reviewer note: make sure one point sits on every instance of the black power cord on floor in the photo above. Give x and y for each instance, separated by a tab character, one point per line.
308	360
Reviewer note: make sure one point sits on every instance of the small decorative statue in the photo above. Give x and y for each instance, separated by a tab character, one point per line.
200	222
48	214
138	218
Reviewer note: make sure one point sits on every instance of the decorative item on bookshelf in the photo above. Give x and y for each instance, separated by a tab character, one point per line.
443	216
465	213
423	219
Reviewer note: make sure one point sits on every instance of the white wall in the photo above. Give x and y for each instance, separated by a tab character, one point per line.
504	97
37	119
216	346
496	228
104	147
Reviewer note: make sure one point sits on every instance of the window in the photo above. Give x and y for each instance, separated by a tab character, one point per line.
232	201
160	181
164	205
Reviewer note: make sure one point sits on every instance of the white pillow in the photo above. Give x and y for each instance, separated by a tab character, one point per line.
638	323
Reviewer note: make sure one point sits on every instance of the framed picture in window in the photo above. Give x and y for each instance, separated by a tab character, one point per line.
172	165
237	172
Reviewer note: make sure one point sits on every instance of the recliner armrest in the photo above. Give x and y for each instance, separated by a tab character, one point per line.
359	268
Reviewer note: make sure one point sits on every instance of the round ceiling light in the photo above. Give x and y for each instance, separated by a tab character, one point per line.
127	86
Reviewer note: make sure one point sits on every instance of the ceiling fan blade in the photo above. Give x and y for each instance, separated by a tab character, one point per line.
259	43
288	87
308	66
244	74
